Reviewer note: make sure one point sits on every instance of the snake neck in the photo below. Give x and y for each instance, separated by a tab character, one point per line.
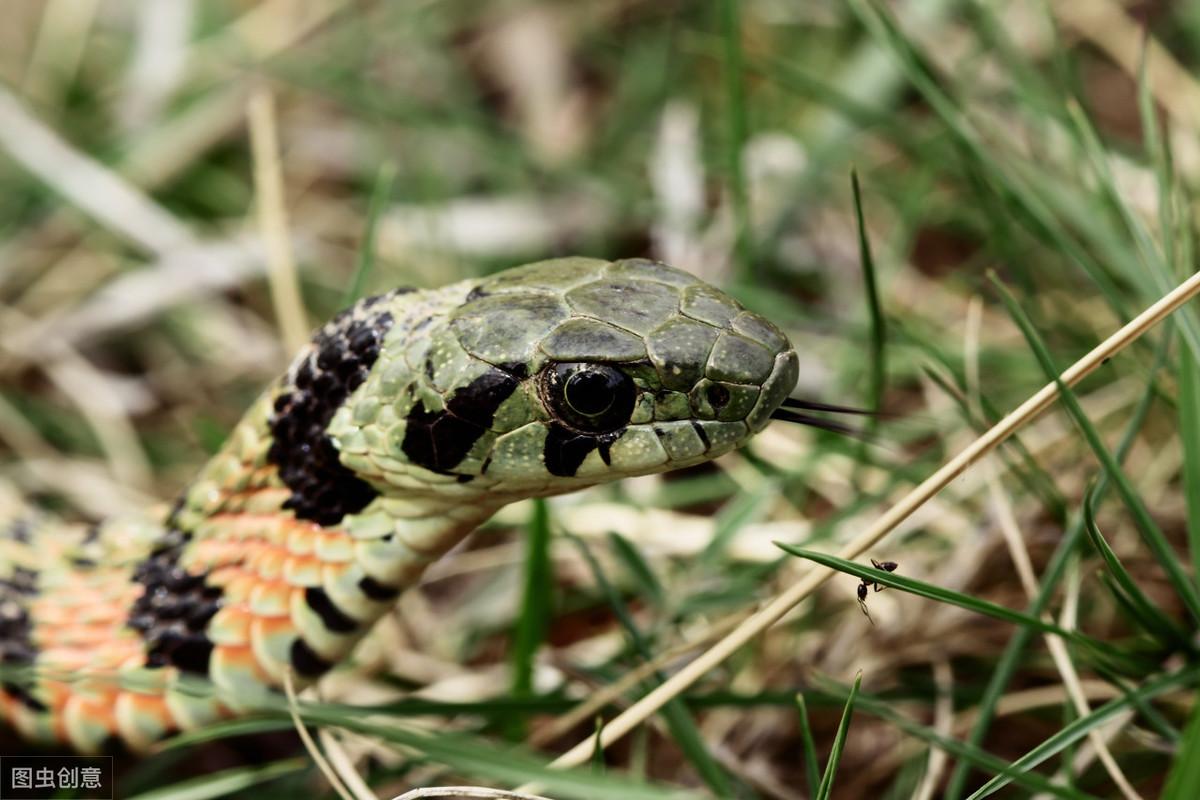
296	553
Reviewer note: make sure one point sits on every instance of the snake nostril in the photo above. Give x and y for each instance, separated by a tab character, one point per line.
718	396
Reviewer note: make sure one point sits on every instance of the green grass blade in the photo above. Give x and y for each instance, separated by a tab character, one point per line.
812	767
225	782
1150	617
537	600
874	307
1155	275
1152	535
1189	438
1076	730
504	765
1016	455
878	353
1183	781
1025	200
1007	664
642	573
745	507
931	592
684	731
835	754
380	195
967	753
735	96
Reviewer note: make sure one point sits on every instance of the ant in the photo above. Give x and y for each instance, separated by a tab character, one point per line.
886	566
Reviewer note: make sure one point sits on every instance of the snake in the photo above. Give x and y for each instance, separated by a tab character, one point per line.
405	422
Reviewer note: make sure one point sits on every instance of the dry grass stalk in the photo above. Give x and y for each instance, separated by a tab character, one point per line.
272	219
314	752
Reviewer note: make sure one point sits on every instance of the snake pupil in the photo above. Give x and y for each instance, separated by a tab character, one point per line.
590	392
592	398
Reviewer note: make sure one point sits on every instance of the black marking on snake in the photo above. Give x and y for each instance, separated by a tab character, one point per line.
439	440
703	434
335	619
375	590
566	449
518	369
17	648
323	490
307	662
174	609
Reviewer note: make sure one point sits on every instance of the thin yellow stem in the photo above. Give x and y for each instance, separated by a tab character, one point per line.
272	219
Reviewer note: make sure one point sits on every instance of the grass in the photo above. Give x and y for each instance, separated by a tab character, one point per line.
981	136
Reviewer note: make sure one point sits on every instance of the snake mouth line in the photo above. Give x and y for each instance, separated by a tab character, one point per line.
800	412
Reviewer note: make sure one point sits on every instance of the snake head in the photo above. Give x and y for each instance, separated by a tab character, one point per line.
560	374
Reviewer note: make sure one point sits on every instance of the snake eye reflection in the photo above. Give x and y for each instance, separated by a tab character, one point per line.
594	398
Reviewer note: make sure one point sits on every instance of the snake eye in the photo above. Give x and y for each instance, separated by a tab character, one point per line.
593	398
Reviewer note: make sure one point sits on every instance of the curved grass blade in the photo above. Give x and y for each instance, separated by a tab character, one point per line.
537	603
1189	437
1183	781
1009	659
226	782
366	250
507	765
1152	535
642	573
1075	731
878	357
965	752
812	768
839	741
684	730
1027	202
1147	614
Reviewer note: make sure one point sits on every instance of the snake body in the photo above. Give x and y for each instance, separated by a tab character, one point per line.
408	420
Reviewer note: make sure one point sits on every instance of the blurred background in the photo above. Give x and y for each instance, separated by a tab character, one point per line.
1052	143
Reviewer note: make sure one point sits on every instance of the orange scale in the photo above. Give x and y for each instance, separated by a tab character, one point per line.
96	633
221	576
142	719
276	530
302	571
238	588
271	642
56	694
300	539
115	652
49	611
67	657
334	545
230	626
90	712
104	612
268	562
270	599
237	669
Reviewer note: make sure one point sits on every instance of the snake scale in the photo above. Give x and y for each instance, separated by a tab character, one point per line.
407	421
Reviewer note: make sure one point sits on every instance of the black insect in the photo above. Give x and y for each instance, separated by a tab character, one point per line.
886	566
